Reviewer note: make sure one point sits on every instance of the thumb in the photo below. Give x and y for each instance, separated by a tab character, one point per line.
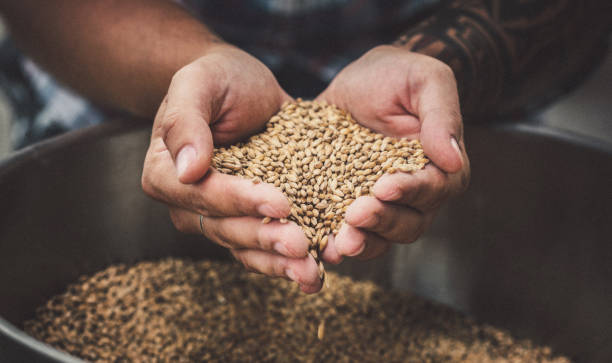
441	125
184	127
442	139
189	141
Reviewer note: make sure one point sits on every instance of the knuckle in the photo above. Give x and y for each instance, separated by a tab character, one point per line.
440	186
279	265
413	234
433	68
360	240
247	264
397	232
443	70
239	255
373	250
388	219
413	237
409	235
217	233
177	221
335	259
235	254
237	202
181	74
309	277
465	180
161	110
433	190
366	255
145	181
418	232
283	233
460	129
150	180
169	122
242	257
455	114
266	235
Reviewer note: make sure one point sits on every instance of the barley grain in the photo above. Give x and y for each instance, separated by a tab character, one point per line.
177	310
321	159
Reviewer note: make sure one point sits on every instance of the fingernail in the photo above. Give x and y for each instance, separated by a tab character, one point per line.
281	248
342	233
269	211
290	274
393	194
331	252
386	189
370	221
358	252
185	157
455	146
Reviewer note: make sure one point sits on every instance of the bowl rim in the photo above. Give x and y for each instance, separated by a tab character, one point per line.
125	126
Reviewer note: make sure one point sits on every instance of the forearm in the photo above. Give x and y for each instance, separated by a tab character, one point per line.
121	54
508	54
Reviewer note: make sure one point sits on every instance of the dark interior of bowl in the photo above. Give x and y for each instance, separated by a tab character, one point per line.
526	248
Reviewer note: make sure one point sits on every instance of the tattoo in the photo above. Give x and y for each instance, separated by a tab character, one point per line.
511	55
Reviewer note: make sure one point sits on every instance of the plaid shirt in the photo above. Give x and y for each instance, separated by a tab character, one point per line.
304	42
318	37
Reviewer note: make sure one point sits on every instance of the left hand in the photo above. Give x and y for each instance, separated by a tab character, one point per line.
401	94
224	96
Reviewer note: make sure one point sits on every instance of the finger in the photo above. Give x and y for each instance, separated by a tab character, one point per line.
184	124
394	223
424	190
217	194
356	242
249	232
248	118
304	271
442	128
350	241
245	232
227	195
330	253
375	246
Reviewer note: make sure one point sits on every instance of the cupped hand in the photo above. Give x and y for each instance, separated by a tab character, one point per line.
402	94
224	96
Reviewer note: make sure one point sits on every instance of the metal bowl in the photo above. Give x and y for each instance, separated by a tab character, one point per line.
527	248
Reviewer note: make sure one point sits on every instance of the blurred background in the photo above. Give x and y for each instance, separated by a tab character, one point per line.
5	115
586	110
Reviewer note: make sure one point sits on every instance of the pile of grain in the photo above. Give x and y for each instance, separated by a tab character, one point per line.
181	311
322	160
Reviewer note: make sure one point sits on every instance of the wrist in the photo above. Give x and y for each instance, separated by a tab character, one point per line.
217	46
470	51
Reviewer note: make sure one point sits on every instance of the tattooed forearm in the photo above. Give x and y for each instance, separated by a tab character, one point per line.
509	55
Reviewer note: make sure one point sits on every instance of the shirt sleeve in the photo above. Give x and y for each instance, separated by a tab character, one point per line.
511	56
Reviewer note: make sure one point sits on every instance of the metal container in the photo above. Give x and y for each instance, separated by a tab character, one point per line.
527	248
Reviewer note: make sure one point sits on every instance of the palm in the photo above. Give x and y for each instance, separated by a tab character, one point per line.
378	96
400	94
224	96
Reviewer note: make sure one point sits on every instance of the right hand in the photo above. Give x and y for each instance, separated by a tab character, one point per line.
224	96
